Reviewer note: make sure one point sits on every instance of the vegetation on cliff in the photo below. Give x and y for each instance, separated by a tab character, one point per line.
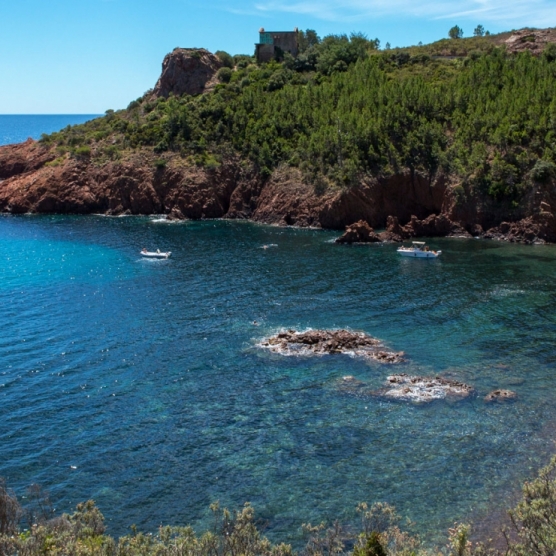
344	109
532	531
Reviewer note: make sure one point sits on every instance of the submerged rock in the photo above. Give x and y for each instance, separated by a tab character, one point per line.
423	389
500	395
351	385
320	342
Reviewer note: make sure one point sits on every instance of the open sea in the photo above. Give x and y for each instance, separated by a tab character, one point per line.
139	383
15	128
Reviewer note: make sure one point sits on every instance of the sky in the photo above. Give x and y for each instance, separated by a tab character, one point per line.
88	56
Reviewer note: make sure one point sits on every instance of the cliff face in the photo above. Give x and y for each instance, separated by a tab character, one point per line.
407	205
136	186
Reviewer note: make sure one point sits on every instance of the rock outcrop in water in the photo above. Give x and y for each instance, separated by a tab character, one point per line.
359	232
423	389
321	342
500	395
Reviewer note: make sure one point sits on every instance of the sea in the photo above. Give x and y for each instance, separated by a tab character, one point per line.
141	384
15	128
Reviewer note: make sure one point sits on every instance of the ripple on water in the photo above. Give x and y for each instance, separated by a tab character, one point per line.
139	384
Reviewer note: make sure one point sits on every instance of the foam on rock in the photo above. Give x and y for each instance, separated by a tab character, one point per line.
321	342
423	389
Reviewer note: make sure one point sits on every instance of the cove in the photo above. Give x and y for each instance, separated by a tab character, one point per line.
140	384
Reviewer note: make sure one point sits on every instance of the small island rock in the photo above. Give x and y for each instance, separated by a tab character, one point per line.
423	389
321	342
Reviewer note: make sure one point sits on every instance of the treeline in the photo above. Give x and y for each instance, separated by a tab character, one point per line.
343	110
531	532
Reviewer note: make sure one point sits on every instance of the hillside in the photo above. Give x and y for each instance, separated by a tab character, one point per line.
456	137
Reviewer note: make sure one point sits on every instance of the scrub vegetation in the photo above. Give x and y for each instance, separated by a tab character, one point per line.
344	109
532	531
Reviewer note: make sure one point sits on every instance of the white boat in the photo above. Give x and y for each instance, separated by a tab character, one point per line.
418	249
155	254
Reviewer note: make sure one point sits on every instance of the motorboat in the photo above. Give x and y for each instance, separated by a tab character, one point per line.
155	254
418	249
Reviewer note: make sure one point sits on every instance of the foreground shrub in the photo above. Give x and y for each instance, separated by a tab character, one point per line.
534	518
236	533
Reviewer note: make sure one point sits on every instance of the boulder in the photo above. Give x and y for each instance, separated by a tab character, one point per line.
359	232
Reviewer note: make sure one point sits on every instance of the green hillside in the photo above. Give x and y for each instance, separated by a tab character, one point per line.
344	109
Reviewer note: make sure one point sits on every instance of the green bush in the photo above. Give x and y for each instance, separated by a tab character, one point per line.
225	58
549	53
83	152
224	75
543	170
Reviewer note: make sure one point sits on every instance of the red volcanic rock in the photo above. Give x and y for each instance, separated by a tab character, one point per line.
187	71
359	232
23	157
135	185
432	226
538	228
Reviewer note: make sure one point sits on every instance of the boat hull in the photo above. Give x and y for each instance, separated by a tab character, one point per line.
151	255
416	254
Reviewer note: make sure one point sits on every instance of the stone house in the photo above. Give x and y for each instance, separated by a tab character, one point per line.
272	44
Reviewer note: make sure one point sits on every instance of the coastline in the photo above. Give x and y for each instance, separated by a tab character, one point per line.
34	179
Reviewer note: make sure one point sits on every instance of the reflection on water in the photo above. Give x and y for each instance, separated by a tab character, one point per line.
139	383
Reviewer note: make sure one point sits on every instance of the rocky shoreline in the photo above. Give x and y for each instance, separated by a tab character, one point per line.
527	231
35	179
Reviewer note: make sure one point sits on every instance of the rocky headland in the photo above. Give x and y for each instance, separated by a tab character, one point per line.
322	342
112	175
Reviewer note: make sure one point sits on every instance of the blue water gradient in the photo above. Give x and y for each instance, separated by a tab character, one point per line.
16	128
138	383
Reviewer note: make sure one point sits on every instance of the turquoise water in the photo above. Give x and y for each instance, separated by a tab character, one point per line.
139	384
15	128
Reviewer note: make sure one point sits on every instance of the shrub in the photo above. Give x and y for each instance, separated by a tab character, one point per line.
83	152
224	75
56	162
277	80
46	139
534	518
160	163
542	170
10	510
549	53
225	58
373	547
242	61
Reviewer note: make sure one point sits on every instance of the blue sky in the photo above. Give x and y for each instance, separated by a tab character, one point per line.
86	56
